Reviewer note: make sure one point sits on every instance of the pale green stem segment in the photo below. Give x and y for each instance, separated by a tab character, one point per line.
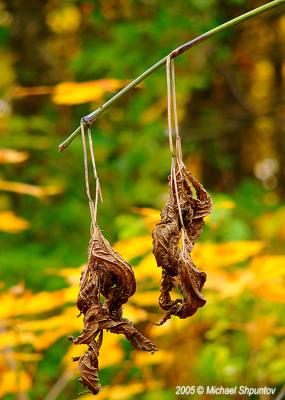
90	118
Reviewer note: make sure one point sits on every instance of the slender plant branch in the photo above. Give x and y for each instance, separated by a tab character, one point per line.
90	118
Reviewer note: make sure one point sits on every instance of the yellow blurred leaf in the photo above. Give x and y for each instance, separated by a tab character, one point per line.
9	222
10	338
134	247
229	284
258	329
70	93
9	156
150	216
269	277
225	204
171	327
208	256
30	303
134	314
24	188
21	91
271	225
46	339
26	357
64	20
160	357
147	268
14	382
145	299
54	322
71	275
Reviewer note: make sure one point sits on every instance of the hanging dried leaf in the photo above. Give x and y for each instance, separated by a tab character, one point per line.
181	218
107	275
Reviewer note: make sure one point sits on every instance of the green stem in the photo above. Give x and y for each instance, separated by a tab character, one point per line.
90	118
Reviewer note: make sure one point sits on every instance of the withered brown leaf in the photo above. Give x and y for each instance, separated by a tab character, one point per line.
106	284
181	218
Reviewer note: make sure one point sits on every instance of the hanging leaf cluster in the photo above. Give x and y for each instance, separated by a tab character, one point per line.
108	281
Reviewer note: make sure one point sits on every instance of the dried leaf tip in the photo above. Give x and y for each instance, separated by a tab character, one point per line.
182	218
107	275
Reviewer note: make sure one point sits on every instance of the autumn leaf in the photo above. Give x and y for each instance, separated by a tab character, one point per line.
224	204
145	299
209	256
26	357
258	329
160	357
14	382
134	247
65	19
32	190
70	93
10	338
134	314
150	216
54	322
32	91
71	275
30	303
229	284
147	268
271	225
9	156
269	274
110	354
11	223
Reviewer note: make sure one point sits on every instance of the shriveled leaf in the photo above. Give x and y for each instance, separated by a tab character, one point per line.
106	284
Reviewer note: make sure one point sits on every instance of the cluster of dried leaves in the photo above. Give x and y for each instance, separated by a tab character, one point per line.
108	280
105	285
181	218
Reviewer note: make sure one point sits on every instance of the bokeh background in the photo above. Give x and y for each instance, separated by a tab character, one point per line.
59	60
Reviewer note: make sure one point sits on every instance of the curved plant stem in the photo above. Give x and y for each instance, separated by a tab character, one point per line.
90	118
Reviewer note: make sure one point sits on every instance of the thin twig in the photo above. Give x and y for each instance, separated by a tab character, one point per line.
59	385
90	118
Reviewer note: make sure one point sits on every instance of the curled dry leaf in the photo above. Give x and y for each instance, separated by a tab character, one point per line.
181	218
106	284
